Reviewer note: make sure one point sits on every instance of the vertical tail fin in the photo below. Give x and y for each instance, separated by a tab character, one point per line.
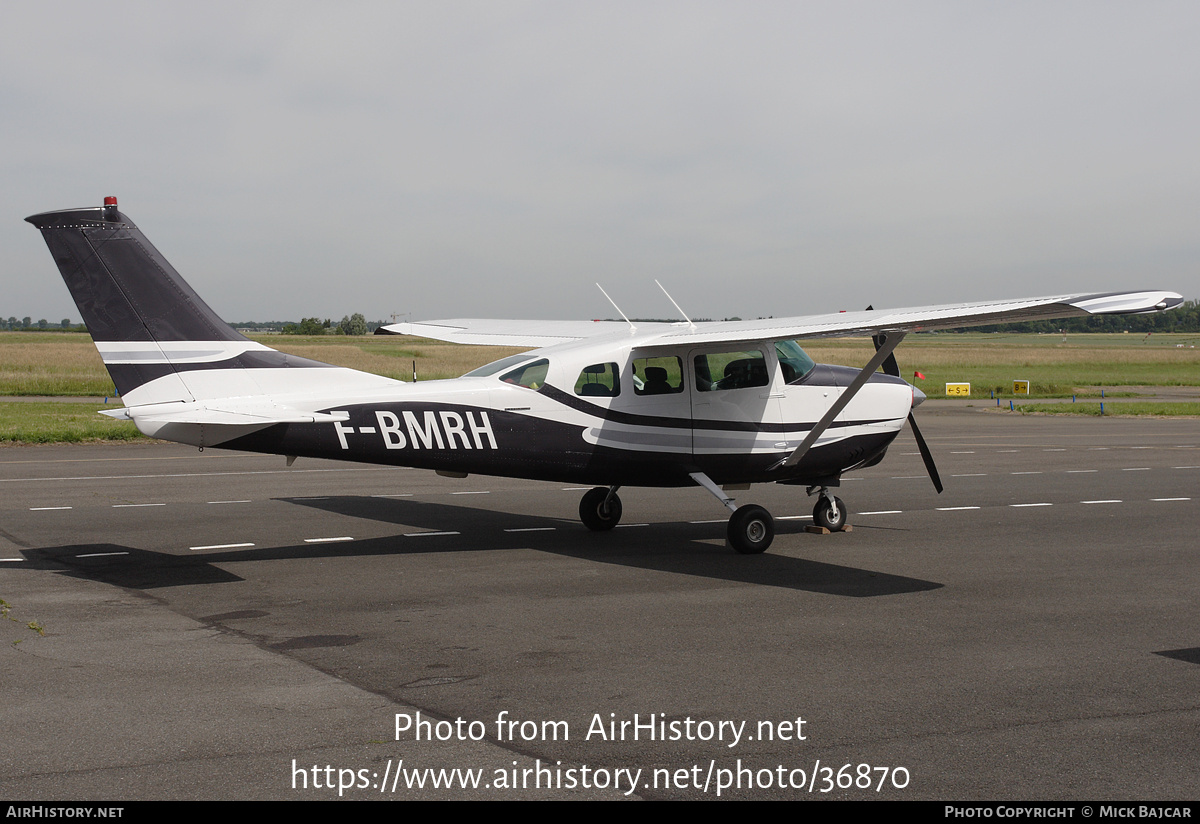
155	334
125	288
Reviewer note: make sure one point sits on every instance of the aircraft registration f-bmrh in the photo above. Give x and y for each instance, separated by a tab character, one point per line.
717	405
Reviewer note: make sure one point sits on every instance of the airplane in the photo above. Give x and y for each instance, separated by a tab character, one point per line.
718	405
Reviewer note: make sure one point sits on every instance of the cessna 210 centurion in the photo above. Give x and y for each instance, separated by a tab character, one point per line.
610	404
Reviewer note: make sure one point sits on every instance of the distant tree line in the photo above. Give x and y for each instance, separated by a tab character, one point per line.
355	324
27	324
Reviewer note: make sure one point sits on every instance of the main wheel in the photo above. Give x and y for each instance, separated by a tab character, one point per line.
823	514
595	513
751	529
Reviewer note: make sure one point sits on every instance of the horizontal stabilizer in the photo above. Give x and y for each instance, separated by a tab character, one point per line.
226	415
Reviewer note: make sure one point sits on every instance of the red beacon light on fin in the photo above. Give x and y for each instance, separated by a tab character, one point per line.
110	208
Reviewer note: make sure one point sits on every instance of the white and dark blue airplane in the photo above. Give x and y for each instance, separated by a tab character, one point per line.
609	404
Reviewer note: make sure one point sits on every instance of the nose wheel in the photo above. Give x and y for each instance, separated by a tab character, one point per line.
829	512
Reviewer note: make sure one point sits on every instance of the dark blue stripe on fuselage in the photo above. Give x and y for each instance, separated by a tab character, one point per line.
529	447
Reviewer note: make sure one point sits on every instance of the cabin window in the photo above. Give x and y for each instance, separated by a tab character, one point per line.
793	361
731	370
600	380
496	366
657	376
531	375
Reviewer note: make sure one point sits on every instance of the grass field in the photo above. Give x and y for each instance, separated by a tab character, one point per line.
1082	365
54	422
1120	410
67	364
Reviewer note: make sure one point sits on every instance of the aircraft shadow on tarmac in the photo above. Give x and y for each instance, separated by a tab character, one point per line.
683	548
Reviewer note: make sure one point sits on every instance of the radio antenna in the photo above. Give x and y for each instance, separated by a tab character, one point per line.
668	294
632	328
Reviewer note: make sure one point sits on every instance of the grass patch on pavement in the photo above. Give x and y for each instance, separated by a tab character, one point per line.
1113	410
54	422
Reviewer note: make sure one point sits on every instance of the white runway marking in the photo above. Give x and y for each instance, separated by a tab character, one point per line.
971	475
1008	450
100	554
963	453
127	506
532	529
1026	473
396	495
906	477
220	546
1134	468
1056	449
1114	501
882	512
193	474
794	518
1038	504
426	534
954	508
1170	499
230	502
1080	471
11	559
46	508
1185	467
327	540
1097	449
473	492
626	526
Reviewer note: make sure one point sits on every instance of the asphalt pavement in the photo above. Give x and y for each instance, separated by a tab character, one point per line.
218	625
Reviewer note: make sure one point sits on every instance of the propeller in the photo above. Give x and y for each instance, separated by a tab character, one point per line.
890	367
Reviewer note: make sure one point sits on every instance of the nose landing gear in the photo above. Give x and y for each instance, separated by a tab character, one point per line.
829	511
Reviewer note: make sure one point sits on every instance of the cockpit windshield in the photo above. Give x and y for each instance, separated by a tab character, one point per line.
793	360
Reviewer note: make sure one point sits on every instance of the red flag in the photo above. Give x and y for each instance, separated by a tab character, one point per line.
918	375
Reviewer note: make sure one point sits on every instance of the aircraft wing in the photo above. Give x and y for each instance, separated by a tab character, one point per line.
921	318
539	333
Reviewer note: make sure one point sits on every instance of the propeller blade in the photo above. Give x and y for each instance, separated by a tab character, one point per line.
890	367
926	455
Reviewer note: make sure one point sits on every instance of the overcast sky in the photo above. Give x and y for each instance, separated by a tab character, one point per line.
496	159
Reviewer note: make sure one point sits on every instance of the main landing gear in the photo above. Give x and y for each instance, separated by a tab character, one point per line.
600	508
751	527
